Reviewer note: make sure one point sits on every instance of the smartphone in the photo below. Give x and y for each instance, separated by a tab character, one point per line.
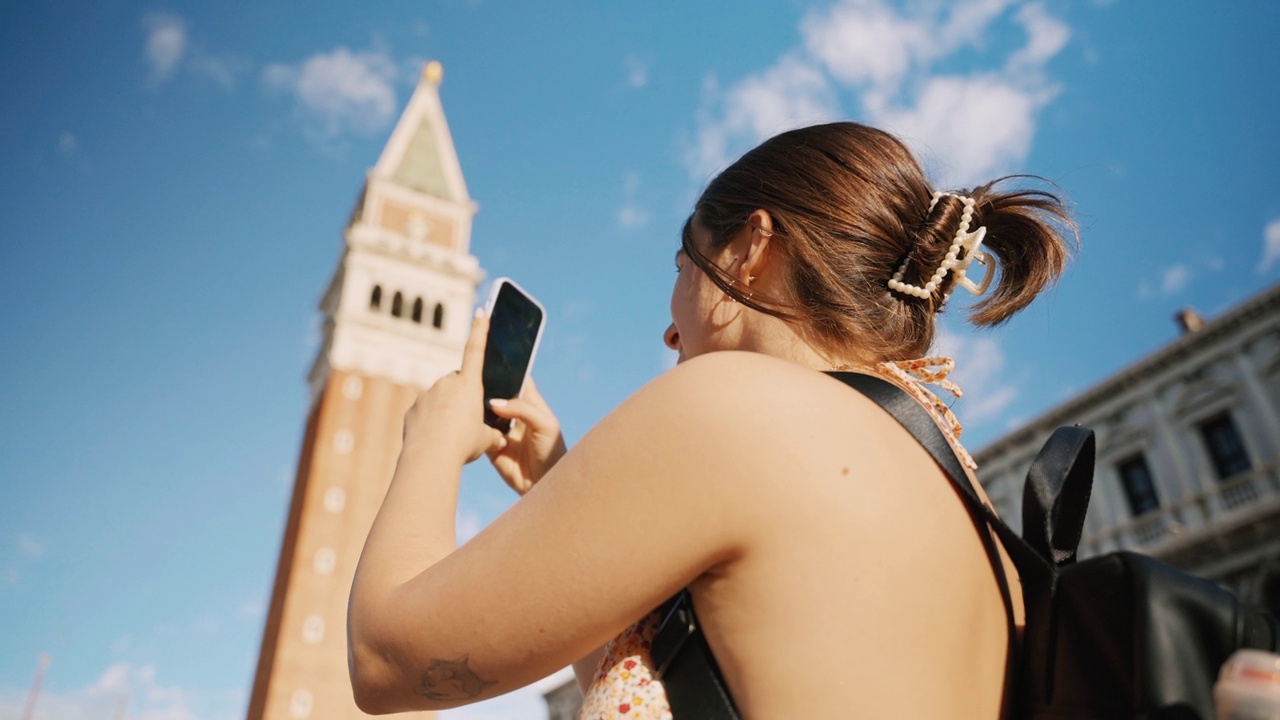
515	329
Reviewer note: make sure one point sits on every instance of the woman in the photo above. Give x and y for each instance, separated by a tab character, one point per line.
834	569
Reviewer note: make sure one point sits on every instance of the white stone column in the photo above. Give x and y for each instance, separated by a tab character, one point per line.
1178	477
1262	408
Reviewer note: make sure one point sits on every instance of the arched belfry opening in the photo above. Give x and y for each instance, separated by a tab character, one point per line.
416	316
437	317
397	305
375	298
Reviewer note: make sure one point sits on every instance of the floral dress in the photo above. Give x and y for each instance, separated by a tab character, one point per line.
624	687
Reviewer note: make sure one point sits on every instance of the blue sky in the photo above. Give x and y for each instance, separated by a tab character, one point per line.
174	178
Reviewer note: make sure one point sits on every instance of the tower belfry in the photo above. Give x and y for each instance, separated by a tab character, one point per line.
396	315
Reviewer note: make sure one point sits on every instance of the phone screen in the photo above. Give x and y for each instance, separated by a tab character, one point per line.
515	323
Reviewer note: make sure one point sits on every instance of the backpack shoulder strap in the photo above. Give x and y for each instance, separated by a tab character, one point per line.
1056	496
685	662
917	421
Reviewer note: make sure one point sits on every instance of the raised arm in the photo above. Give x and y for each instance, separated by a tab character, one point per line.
431	626
534	445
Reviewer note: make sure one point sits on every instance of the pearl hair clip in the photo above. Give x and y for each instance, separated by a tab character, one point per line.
970	242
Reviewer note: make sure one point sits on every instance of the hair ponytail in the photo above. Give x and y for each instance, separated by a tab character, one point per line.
850	207
1026	232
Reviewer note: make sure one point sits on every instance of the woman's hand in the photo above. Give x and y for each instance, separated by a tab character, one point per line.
534	443
450	415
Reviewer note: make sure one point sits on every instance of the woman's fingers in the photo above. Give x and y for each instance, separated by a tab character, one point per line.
530	408
473	353
537	417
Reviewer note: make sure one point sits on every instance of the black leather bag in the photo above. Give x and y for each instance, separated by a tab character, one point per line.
1116	636
1120	635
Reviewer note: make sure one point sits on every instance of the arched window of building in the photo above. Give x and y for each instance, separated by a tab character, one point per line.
417	310
375	298
397	305
437	317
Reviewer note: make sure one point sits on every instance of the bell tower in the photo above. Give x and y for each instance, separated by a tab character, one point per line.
395	318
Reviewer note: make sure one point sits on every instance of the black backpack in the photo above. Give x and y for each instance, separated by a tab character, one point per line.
1116	636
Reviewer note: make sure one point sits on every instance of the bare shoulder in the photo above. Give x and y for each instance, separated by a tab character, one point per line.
752	386
777	419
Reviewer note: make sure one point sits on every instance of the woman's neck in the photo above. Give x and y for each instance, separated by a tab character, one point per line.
779	339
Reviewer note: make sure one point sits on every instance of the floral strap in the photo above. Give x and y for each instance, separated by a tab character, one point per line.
913	375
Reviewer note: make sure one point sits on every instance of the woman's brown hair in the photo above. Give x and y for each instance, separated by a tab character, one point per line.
849	205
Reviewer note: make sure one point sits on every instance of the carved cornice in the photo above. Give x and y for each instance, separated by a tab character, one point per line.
423	254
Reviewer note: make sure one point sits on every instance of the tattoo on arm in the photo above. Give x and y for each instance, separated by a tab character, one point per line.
451	680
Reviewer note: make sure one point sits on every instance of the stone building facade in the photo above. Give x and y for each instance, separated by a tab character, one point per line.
1188	464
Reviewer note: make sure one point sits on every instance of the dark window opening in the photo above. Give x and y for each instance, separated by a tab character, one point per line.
437	317
1226	448
417	310
1139	487
375	299
397	305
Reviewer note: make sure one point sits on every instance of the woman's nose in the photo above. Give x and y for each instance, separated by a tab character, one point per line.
671	337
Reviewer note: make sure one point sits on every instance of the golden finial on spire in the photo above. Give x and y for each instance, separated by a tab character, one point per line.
433	72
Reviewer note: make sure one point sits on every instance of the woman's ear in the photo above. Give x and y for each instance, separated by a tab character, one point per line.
757	251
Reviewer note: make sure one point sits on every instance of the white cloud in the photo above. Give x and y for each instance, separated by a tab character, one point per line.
968	22
980	373
121	686
862	42
631	217
1046	36
870	43
29	546
1270	245
169	48
637	72
340	91
977	124
114	680
975	127
790	94
166	45
1174	279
